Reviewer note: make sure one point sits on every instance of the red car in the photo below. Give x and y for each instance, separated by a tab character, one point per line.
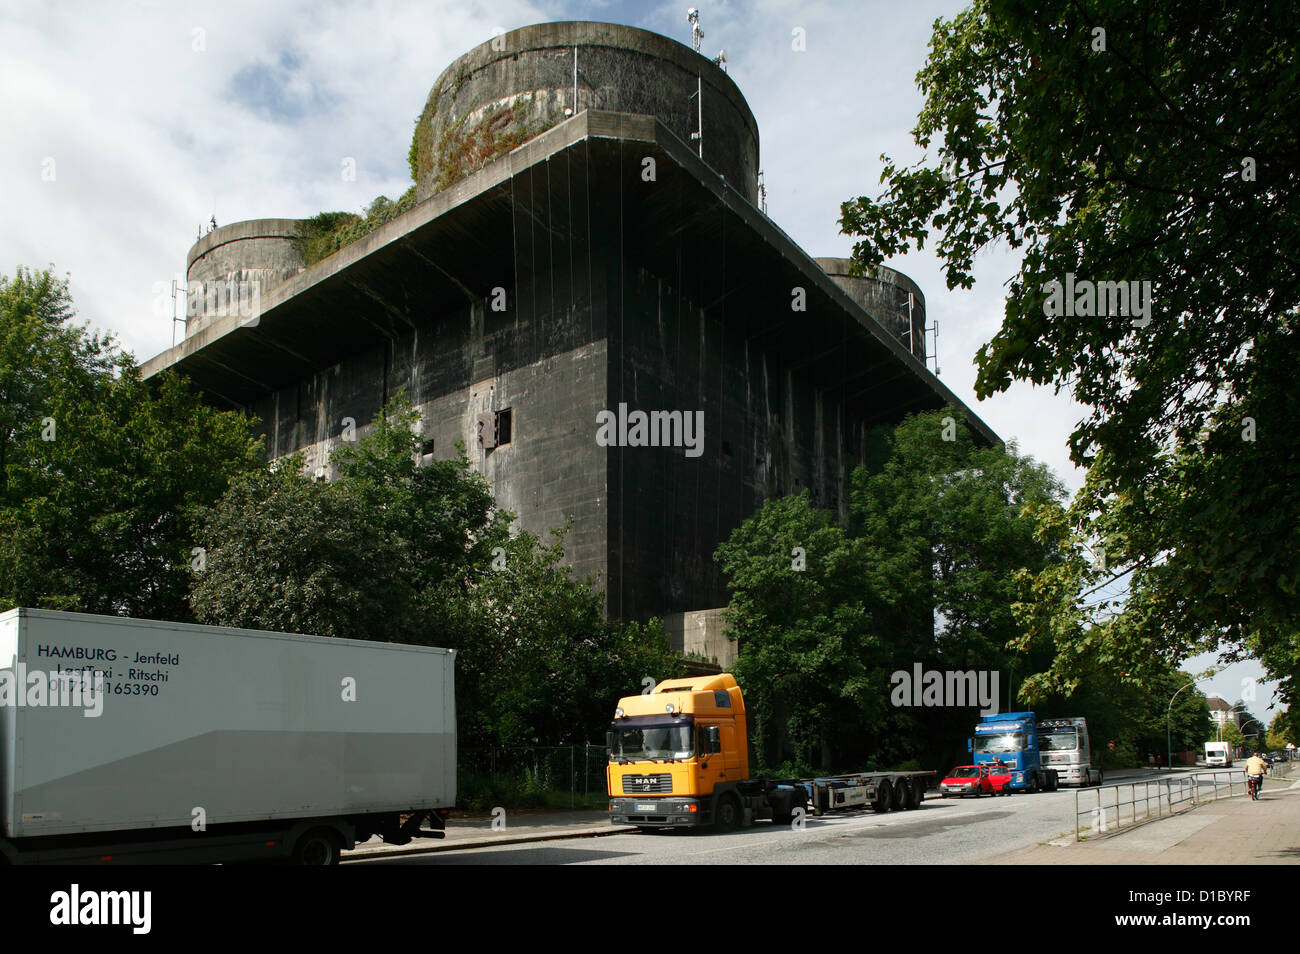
976	780
999	778
967	780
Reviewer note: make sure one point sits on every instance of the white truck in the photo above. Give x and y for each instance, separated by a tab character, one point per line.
1218	754
1065	747
136	741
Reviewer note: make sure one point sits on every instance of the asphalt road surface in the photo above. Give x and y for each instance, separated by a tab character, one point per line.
941	831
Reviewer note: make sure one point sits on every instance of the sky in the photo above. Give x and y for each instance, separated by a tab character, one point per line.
125	126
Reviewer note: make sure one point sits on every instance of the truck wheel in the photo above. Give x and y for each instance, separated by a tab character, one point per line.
884	797
898	802
728	813
320	846
783	812
915	793
1033	782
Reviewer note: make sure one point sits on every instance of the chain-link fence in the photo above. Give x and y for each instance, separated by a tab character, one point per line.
544	776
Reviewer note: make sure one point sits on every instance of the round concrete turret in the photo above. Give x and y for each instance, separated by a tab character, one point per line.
236	262
519	84
887	295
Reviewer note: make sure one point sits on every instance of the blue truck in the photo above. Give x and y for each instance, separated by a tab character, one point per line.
1011	739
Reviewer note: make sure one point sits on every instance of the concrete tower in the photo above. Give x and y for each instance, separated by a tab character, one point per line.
560	268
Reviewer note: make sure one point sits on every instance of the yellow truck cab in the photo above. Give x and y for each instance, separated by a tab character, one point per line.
679	756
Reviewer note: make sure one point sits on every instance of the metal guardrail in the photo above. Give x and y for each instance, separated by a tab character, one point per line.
1155	798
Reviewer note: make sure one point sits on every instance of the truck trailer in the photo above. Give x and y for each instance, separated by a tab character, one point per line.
138	741
679	757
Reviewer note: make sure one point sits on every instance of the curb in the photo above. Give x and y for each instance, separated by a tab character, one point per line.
387	851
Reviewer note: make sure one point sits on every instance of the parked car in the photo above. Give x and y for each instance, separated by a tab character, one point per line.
967	780
1000	778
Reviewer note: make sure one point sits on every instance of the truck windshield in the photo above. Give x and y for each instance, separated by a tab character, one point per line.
996	744
1059	741
653	742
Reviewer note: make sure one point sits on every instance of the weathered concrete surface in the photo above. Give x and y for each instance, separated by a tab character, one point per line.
257	252
673	294
702	633
510	88
889	296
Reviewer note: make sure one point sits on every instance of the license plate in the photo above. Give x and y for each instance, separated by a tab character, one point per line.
645	808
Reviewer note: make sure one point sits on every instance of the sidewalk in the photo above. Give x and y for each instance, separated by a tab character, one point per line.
1232	831
520	826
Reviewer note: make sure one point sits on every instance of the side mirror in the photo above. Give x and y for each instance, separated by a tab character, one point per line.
969	746
609	740
713	736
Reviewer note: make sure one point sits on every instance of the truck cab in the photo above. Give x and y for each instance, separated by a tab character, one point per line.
1010	742
1067	749
679	756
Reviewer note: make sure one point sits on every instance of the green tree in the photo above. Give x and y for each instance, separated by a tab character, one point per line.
290	554
1135	141
104	474
372	554
924	571
402	549
812	662
1281	731
539	664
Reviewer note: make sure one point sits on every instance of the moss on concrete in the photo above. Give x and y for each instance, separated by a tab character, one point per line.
462	151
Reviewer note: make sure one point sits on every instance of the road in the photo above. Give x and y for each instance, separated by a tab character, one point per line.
942	831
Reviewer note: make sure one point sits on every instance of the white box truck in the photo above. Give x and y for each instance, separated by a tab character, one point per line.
1218	754
137	741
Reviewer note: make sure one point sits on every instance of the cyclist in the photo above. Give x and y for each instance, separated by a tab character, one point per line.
1255	769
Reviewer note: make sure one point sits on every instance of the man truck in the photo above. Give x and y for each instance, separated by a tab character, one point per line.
1066	750
679	757
135	741
1009	741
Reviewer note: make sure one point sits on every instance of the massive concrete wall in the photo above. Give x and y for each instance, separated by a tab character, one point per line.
770	429
543	356
518	85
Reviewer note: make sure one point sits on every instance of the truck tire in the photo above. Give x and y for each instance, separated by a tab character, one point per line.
884	797
1033	782
728	813
319	846
783	811
898	800
915	793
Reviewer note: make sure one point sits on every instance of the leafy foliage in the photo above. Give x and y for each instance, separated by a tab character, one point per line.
408	550
101	475
322	235
1133	140
923	572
